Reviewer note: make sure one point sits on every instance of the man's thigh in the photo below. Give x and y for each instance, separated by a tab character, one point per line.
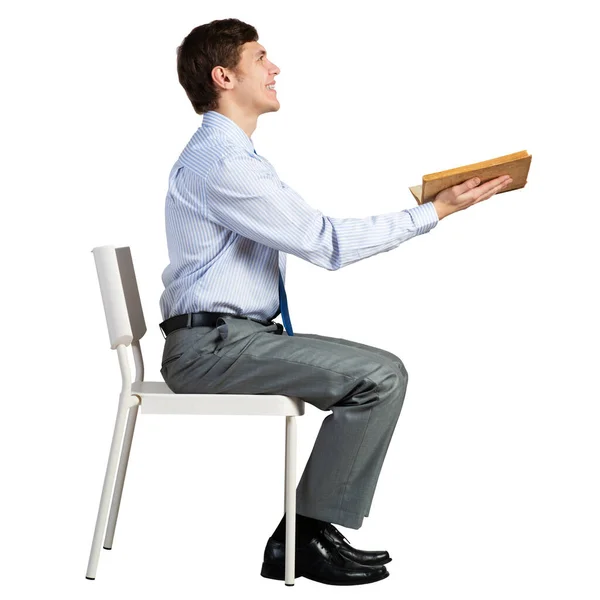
253	359
378	351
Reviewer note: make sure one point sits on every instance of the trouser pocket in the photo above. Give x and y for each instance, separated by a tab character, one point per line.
171	359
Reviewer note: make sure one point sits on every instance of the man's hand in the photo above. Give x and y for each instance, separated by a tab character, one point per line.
466	194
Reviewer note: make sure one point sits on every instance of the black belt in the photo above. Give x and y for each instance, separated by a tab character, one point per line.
200	319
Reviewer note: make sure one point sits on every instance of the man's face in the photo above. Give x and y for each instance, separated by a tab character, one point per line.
255	73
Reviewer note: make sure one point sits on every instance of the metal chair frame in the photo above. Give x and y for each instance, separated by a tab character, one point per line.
126	327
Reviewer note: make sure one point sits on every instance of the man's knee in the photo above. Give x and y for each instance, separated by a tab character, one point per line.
401	367
404	373
399	382
383	386
396	361
392	379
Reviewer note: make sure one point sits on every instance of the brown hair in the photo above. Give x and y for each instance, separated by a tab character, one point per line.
218	43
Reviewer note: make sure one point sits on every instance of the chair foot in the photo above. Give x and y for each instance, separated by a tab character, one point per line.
106	548
92	578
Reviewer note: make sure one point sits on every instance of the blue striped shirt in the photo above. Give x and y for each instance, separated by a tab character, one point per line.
230	222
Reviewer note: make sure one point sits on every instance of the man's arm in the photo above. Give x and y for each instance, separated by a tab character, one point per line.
244	195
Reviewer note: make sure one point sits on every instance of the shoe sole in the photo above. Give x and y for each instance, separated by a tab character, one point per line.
277	572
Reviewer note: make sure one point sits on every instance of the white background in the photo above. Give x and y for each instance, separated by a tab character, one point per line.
490	486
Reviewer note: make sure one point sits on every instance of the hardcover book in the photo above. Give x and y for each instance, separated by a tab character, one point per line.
516	165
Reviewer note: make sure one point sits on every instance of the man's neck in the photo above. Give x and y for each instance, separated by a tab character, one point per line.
246	122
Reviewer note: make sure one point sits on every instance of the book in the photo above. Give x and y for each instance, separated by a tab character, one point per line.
516	165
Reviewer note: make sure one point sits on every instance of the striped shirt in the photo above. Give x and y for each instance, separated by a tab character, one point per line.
230	222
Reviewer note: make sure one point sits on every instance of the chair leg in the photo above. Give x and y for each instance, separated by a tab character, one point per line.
122	471
109	478
290	500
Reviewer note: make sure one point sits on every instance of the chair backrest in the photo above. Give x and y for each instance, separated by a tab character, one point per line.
120	295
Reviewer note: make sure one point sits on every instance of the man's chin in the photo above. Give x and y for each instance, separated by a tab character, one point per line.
272	107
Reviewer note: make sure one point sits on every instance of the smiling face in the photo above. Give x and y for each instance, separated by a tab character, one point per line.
254	81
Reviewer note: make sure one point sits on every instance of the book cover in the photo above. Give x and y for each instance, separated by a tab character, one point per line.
516	165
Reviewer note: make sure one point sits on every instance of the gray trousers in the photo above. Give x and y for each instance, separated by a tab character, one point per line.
362	386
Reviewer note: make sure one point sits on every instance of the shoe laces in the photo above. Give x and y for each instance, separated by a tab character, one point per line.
333	528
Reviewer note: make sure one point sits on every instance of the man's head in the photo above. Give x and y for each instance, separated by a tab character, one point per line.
221	64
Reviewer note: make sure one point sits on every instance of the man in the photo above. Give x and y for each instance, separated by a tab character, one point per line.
230	223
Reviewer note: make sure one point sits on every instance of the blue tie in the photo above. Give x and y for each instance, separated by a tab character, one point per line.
285	315
283	307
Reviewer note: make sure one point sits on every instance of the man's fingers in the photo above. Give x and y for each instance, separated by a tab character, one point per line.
493	184
490	192
472	183
466	186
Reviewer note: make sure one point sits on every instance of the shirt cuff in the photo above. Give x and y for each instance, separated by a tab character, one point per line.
424	217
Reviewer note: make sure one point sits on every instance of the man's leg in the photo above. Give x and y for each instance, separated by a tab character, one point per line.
394	360
365	392
378	351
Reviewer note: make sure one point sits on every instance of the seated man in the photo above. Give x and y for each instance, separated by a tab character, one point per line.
230	223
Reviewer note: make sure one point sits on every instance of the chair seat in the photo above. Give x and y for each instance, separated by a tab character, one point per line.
157	398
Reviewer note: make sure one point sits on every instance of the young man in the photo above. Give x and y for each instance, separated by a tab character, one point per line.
230	223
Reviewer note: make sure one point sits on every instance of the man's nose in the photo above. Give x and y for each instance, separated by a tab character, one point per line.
275	69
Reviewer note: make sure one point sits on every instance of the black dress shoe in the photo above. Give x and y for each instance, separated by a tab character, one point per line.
364	557
320	561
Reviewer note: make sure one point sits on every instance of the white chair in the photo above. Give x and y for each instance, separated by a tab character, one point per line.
126	326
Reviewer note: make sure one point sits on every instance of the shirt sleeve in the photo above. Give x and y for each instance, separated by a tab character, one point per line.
245	195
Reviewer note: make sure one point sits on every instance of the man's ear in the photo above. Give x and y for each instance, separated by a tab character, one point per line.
221	77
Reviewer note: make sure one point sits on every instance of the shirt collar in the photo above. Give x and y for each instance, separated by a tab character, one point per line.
215	120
